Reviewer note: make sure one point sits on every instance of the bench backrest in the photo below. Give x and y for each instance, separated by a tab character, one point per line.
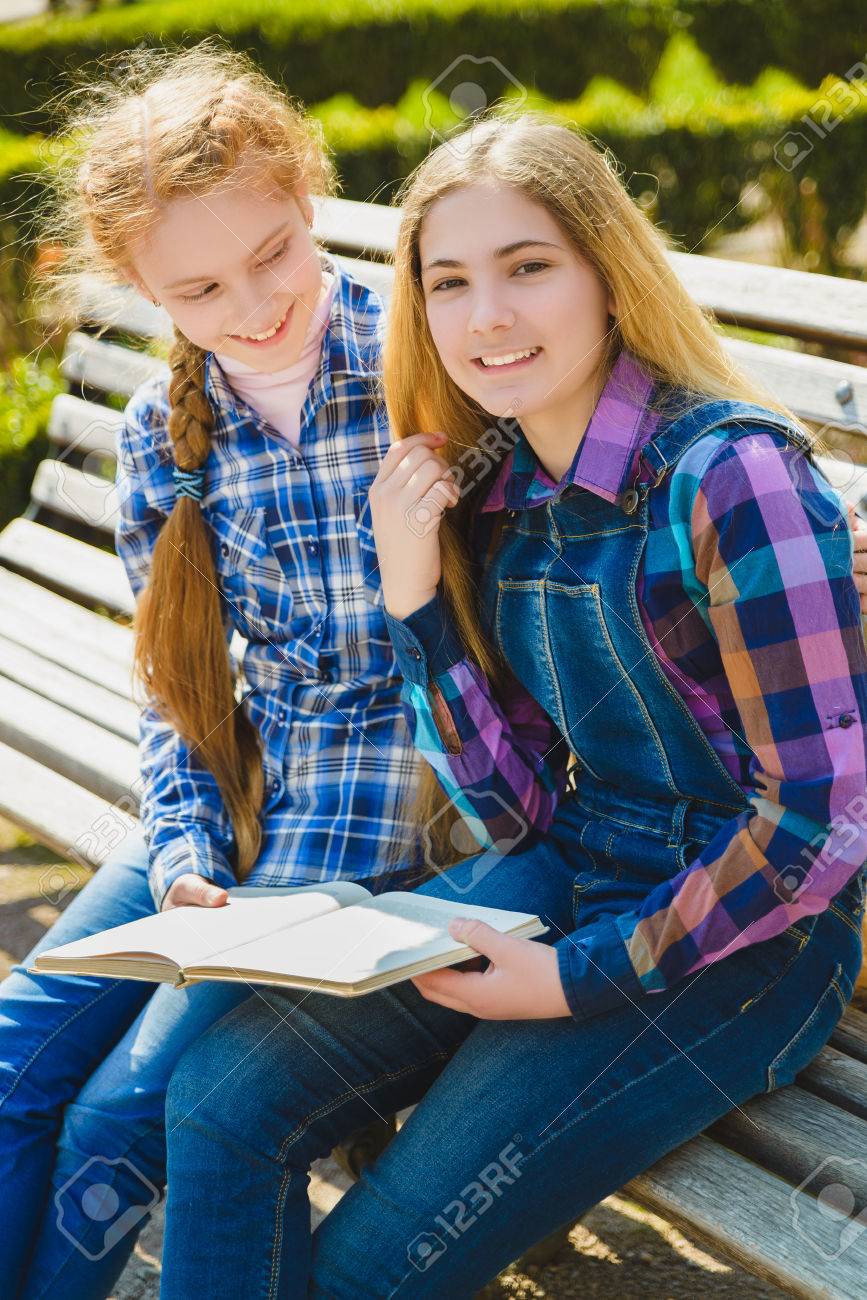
74	489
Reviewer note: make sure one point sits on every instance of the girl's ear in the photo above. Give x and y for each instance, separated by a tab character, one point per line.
134	279
612	305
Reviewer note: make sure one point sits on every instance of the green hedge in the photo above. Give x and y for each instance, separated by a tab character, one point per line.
688	148
372	49
27	389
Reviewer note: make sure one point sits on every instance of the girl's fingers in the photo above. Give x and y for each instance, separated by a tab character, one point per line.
413	461
402	448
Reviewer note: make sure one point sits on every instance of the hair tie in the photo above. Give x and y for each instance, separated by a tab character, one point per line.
189	482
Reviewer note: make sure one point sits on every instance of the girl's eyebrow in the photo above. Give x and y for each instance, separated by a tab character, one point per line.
505	251
195	279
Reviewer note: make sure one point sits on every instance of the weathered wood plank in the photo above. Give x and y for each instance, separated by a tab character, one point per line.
54	644
757	1219
84	498
798	303
85	427
821	308
792	1133
76	748
122	308
850	1035
820	391
66	565
107	367
69	689
839	1079
808	385
28	604
56	811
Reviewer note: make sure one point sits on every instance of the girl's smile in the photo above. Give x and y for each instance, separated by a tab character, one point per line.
273	334
501	362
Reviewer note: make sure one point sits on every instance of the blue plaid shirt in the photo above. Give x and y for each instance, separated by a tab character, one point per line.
296	567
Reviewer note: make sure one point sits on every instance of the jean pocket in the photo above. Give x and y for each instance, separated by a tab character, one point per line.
371	583
813	1034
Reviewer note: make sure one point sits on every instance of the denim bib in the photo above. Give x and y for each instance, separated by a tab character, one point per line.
559	599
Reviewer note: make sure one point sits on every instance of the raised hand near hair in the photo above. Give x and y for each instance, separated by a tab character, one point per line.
408	499
194	891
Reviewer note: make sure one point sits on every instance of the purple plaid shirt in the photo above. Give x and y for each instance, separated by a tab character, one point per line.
747	596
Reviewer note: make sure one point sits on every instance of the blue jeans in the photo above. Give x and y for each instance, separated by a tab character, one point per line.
84	1066
521	1126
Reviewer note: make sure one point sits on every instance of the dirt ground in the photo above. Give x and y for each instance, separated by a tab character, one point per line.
618	1251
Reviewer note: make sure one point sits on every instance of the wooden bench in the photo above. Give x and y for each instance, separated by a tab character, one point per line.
68	724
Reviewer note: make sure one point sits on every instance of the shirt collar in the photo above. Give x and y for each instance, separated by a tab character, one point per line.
351	345
605	454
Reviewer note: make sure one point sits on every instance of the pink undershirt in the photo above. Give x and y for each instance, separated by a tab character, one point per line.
279	396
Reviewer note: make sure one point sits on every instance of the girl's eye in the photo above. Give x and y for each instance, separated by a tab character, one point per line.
205	293
538	266
446	284
275	257
197	297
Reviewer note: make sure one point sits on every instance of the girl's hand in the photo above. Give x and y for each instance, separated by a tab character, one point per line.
521	983
408	498
859	537
194	891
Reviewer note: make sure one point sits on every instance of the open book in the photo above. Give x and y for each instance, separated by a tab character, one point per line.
334	938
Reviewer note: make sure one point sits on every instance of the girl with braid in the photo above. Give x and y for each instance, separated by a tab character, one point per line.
243	481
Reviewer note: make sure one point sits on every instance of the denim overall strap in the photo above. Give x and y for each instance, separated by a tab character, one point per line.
560	600
662	452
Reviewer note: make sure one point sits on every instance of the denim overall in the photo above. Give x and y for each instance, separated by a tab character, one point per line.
521	1125
649	791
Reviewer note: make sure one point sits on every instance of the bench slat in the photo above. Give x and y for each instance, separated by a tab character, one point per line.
838	1079
808	385
76	748
122	308
823	308
850	1035
792	1132
107	367
57	812
66	565
710	1191
53	644
26	603
86	427
84	498
69	689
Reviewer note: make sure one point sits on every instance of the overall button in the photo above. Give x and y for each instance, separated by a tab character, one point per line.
846	720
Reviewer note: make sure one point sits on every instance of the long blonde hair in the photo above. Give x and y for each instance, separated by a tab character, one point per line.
175	124
656	320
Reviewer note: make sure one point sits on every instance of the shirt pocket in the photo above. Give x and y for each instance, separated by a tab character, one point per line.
250	575
371	584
